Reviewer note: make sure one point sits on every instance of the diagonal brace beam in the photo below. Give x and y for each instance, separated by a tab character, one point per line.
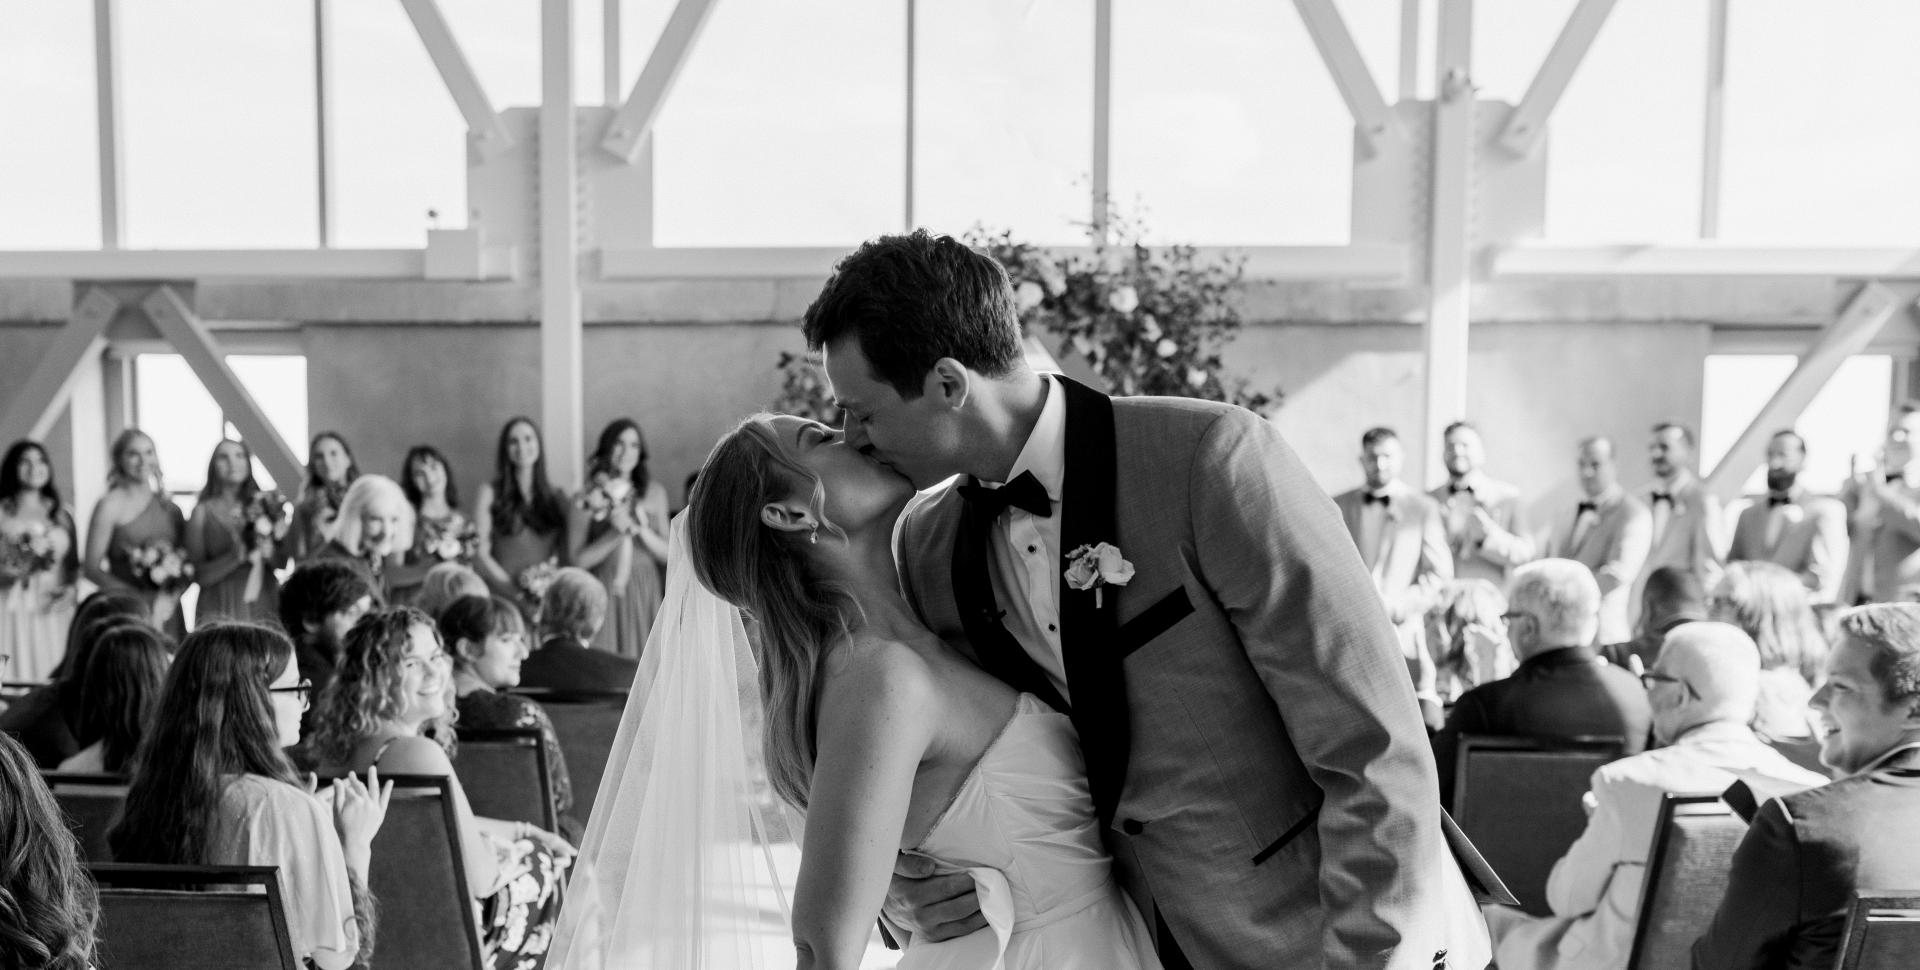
630	126
1849	334
190	337
38	402
488	134
1529	119
1372	117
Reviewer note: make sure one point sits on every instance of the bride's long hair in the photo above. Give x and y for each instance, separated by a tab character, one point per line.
766	573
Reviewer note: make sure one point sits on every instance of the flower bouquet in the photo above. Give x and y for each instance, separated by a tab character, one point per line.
160	565
534	580
606	494
452	539
24	553
267	515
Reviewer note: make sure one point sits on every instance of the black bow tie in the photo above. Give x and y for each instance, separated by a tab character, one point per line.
1379	498
1666	497
1584	508
1025	492
1457	489
1773	500
1896	478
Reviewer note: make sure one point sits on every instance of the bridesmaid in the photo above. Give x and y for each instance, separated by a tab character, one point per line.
372	532
427	480
330	469
521	517
135	512
625	546
229	562
36	607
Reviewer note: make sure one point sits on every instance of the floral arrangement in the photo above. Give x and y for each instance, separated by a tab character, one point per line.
1095	567
268	515
534	580
26	552
452	539
161	565
803	389
605	494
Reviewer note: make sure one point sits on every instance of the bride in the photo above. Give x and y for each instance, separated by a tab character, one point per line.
887	739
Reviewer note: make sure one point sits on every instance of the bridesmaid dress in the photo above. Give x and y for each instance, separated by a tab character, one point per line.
227	599
633	594
35	610
160	520
522	549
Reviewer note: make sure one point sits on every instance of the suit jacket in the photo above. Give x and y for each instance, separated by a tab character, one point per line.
564	664
1412	563
1566	693
1491	557
1885	551
1595	888
1615	547
1812	541
1254	751
1795	872
1693	538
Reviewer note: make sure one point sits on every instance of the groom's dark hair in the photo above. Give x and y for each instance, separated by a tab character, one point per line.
914	299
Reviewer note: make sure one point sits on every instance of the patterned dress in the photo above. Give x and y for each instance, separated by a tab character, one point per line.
494	710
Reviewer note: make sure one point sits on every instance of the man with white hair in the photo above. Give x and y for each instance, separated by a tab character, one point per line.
1703	689
1563	688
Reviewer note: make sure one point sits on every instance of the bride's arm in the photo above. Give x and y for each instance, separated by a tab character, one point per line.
876	723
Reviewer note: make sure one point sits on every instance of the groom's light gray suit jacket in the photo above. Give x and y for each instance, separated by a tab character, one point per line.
1255	752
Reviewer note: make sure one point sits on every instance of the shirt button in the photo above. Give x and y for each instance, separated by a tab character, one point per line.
1132	826
1030	548
1051	628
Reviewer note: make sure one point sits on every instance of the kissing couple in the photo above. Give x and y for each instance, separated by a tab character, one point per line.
1057	680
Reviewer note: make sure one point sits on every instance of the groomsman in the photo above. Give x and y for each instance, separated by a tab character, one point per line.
1686	519
1803	532
1609	532
1485	532
1884	518
1401	540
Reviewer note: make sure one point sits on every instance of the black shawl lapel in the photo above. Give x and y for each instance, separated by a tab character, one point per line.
1087	631
997	651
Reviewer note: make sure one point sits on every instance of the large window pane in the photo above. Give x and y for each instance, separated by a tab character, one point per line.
219	120
174	408
1005	117
1847	418
787	127
1510	42
49	176
399	142
1823	122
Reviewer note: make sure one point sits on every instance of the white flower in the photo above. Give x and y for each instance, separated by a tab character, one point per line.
1052	278
1166	347
1114	570
1124	300
1083	345
1028	295
1096	566
1196	377
1149	327
1083	573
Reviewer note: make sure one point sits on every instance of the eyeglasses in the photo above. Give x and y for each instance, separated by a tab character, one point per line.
303	689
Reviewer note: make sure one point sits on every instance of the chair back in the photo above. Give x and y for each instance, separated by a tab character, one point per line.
1883	930
504	773
1686	876
1518	800
585	722
427	919
91	804
206	917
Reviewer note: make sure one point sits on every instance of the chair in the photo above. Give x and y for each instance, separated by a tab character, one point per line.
1518	800
91	803
1883	930
206	917
505	775
427	919
585	722
1686	876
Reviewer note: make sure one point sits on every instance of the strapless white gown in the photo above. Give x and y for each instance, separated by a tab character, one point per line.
1023	826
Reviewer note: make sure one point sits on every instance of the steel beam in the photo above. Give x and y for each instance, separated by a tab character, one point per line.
325	171
1102	116
1371	114
37	402
1704	259
610	52
1847	335
488	135
1528	123
1713	121
106	93
562	371
409	264
196	345
1449	289
633	123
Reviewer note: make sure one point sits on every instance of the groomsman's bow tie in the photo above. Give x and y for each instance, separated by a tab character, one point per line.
1896	478
1380	498
1773	500
1584	508
1024	492
1666	497
1455	489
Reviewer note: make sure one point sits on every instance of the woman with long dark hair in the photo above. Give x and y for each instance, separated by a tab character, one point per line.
232	564
136	536
212	786
47	904
521	518
330	470
39	563
441	532
47	720
118	694
617	530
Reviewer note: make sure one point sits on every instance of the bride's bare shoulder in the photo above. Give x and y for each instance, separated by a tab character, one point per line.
873	671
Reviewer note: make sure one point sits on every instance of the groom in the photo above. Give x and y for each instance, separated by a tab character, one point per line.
1253	746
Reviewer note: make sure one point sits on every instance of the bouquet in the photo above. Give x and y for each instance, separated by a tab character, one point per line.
24	553
452	539
268	514
534	580
161	565
606	494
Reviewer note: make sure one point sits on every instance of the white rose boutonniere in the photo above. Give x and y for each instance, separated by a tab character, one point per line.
1096	566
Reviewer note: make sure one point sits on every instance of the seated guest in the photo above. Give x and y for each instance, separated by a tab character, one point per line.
1769	602
1562	688
47	719
1806	533
1672	596
47	904
320	602
570	614
1469	638
445	583
1609	532
212	787
488	640
118	696
1795	873
391	706
373	531
1703	689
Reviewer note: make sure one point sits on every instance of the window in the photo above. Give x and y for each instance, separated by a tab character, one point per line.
1847	418
49	175
174	408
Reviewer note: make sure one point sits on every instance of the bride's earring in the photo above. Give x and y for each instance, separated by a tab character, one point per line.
814	536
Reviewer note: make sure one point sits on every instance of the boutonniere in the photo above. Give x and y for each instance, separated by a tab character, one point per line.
1794	513
1097	566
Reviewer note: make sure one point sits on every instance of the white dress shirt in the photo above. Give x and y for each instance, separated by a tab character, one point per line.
1024	555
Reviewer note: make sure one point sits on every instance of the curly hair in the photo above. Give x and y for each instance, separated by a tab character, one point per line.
366	689
48	908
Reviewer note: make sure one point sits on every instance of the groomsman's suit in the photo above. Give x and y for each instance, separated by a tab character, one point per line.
1255	755
1803	532
1491	557
1403	543
1687	531
1885	552
1609	535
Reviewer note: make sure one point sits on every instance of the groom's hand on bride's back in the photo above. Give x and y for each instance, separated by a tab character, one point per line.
931	907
